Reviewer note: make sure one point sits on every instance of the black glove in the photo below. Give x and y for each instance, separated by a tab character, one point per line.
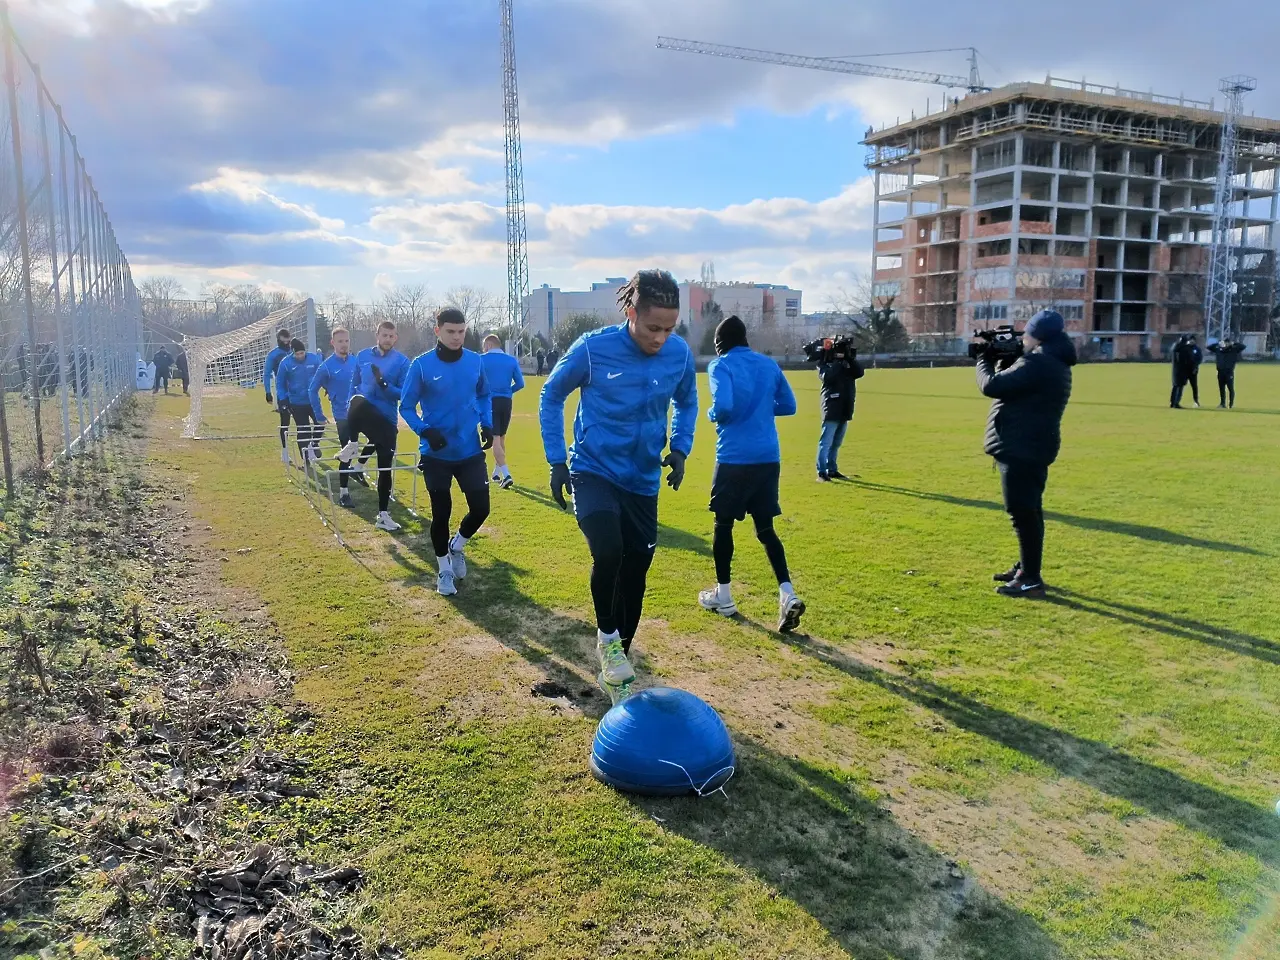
435	439
269	400
377	375
675	461
486	438
559	481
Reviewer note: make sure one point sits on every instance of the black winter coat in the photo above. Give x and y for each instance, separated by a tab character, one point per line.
180	363
1030	397
163	360
1226	359
839	388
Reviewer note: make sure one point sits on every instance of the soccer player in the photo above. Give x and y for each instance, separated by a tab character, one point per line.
374	411
334	378
628	376
446	402
748	390
293	383
505	380
269	377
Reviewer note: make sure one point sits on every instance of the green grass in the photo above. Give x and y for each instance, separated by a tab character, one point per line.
930	771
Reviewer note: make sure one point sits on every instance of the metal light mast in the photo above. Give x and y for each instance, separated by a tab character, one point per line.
517	232
1219	291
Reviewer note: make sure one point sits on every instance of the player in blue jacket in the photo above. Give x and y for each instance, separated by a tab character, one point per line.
374	411
505	380
748	391
334	378
293	391
278	353
446	402
628	376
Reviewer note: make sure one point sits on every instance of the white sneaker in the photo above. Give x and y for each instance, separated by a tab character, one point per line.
284	457
459	562
615	668
384	522
710	600
790	610
445	585
496	478
344	499
349	451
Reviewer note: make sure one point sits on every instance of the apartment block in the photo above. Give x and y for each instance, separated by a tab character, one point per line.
1095	201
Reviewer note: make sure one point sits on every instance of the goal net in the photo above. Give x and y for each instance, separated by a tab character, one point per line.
235	360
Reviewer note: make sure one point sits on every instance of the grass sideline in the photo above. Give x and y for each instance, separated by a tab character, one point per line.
931	771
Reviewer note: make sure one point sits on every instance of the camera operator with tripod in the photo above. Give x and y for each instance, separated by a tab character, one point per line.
838	369
1030	391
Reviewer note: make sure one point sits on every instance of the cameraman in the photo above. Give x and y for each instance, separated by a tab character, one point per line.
1023	435
838	369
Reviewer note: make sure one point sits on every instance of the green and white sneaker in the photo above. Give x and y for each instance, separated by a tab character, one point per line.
616	692
615	668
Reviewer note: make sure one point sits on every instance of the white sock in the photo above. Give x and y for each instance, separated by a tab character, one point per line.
786	590
503	471
602	638
458	543
446	564
722	593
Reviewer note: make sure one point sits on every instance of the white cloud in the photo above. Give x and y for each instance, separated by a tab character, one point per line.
250	189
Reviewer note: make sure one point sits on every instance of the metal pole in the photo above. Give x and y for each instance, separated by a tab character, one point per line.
80	356
33	353
53	259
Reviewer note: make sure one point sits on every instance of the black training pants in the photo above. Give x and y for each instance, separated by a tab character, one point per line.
363	417
308	432
283	409
722	548
1226	382
442	510
1022	483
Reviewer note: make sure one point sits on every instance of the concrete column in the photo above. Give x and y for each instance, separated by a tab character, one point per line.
1015	231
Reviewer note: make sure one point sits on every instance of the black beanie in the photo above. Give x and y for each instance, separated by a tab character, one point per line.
731	333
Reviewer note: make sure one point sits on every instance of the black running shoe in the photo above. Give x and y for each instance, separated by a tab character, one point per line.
824	478
837	475
1021	588
359	477
1008	575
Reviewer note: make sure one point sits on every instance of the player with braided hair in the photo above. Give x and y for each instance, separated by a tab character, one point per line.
628	376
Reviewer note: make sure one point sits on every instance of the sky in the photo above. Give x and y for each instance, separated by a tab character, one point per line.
331	145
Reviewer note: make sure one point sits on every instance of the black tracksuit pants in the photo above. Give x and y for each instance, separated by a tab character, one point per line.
1022	483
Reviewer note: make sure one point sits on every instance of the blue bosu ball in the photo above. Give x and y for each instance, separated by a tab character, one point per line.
662	742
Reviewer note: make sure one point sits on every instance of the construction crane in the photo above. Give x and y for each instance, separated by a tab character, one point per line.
972	83
1220	290
517	230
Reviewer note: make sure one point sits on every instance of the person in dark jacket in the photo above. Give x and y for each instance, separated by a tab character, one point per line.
542	360
1186	369
184	374
163	360
838	374
1226	356
1024	435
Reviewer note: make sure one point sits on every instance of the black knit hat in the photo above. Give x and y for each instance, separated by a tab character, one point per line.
731	333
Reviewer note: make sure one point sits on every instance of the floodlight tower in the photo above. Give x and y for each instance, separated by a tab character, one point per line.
517	231
1220	289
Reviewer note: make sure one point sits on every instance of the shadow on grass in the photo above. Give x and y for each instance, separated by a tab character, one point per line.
1244	644
1232	821
876	888
1120	528
672	537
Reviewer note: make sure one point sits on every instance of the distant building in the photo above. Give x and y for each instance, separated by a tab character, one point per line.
762	306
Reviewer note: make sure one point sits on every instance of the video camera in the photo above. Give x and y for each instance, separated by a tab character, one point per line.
1004	343
831	349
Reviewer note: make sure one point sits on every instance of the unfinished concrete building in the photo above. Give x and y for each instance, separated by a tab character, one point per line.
1095	201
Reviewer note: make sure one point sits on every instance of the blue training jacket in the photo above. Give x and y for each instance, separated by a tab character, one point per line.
334	378
620	430
748	390
293	379
273	364
503	371
454	398
394	366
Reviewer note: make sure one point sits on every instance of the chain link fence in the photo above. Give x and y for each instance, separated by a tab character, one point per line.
70	321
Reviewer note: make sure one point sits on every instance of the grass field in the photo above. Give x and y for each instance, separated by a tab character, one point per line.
929	771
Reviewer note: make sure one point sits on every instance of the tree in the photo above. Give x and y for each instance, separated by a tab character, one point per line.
408	305
572	327
479	306
877	328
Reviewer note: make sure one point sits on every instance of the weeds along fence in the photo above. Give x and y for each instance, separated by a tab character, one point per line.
70	318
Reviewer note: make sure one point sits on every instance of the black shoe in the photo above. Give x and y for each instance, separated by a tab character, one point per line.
1222	406
359	477
837	475
1021	588
1009	575
824	478
1175	406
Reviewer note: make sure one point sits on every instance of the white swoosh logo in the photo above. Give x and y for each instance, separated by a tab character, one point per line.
614	376
653	546
441	377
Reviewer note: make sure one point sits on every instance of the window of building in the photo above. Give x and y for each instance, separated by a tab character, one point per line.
991	279
889	263
991	311
886	288
793	312
1050	279
996	155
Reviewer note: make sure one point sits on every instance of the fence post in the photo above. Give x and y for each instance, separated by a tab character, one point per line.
53	261
79	356
311	325
33	362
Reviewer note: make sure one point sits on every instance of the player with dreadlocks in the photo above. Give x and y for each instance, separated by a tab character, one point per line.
628	377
